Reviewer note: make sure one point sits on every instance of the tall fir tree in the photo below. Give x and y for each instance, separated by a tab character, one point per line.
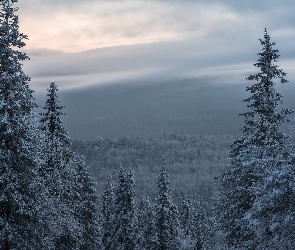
125	221
272	214
21	189
193	225
87	209
167	215
108	213
146	224
59	171
51	122
259	149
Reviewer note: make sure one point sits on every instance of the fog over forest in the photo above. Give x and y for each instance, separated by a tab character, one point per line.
180	87
151	108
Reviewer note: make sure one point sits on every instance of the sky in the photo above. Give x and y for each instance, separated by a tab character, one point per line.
77	25
182	38
86	44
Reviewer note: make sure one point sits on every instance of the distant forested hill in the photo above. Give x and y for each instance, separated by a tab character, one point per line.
192	161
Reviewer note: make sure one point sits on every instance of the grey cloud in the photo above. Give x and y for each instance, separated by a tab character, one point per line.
241	6
260	5
126	21
151	108
45	53
194	57
138	90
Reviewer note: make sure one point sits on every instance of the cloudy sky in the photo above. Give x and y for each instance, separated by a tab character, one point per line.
181	37
77	25
84	44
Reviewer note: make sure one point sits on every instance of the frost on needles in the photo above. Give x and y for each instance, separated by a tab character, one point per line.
47	198
258	184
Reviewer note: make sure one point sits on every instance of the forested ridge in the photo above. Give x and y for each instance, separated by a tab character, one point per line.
172	192
192	161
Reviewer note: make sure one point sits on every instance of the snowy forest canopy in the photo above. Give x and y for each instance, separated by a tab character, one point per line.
222	192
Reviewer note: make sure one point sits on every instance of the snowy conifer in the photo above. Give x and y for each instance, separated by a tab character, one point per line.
108	213
167	221
125	221
272	214
192	224
146	224
21	189
51	122
59	171
259	149
87	211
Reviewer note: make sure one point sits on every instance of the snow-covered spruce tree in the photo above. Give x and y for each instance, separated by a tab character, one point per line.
272	216
108	213
87	210
146	224
60	173
258	152
192	224
125	221
166	213
21	189
51	122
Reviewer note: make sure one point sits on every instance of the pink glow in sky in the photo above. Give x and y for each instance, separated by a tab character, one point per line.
197	38
74	26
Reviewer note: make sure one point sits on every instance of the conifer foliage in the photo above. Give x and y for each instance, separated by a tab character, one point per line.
87	210
125	221
147	224
167	223
21	190
192	225
154	224
56	156
51	121
59	172
68	182
260	153
108	213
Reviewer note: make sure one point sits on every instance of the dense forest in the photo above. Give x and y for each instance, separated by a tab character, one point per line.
172	192
192	164
191	161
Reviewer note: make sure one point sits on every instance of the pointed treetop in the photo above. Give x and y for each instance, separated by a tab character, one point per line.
162	181
163	162
109	186
130	176
267	63
110	178
122	170
51	117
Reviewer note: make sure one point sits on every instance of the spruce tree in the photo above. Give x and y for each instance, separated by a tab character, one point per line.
108	213
21	189
256	151
271	216
167	216
146	224
125	221
68	182
192	224
51	122
59	171
87	210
